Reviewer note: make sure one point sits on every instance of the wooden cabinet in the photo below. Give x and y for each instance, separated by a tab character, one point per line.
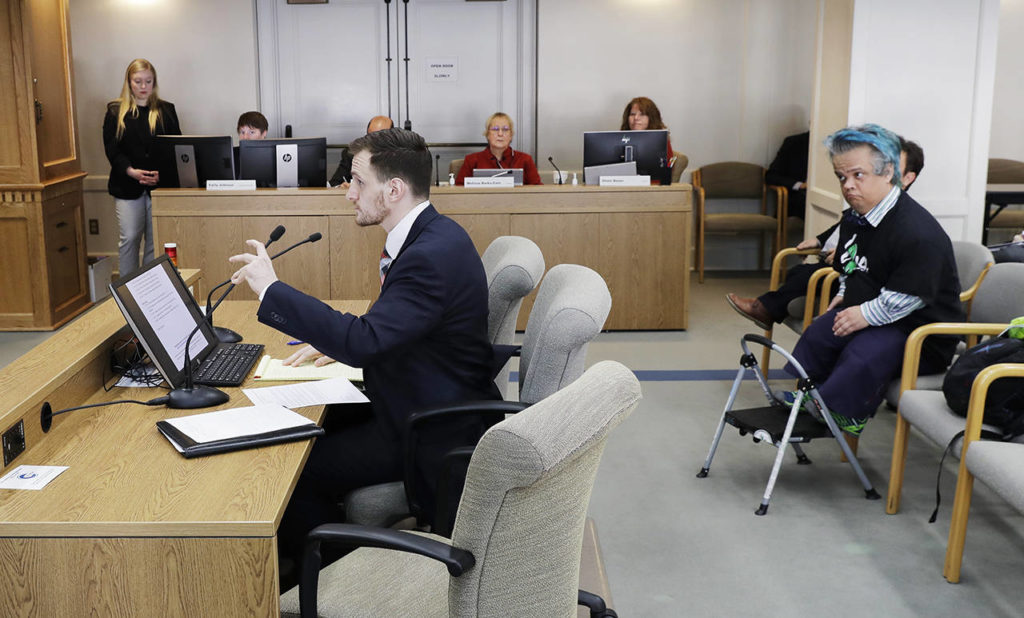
43	270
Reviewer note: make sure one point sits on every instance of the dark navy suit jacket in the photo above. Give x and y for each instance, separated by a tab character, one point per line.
424	342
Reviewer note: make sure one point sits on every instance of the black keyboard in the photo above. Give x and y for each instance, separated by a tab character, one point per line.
228	365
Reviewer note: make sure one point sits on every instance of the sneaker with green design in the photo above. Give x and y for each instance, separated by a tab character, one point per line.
848	425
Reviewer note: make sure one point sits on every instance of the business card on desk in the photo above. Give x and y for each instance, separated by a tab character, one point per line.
30	477
230	185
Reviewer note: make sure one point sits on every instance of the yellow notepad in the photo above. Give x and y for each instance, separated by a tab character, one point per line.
271	370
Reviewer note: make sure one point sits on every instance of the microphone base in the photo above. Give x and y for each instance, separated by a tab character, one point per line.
196	397
226	335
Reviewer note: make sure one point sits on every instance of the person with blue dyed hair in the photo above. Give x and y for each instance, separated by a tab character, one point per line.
896	272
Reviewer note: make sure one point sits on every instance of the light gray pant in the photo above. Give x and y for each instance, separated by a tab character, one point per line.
134	219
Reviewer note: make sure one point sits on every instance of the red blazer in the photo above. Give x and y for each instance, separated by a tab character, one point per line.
509	159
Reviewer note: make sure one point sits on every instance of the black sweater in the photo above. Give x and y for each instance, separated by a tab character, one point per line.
133	149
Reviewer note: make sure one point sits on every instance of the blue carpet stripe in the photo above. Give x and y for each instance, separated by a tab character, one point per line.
689	375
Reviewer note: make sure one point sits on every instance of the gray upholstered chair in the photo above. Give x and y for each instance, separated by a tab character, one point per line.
571	307
734	180
679	165
514	266
972	264
516	544
1000	465
926	410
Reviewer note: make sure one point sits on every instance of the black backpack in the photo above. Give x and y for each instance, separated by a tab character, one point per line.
1004	404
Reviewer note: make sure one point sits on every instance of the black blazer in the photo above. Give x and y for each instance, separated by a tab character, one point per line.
423	343
133	149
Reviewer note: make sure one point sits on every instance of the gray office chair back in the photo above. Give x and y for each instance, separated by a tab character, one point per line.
1000	297
514	266
525	503
971	260
572	305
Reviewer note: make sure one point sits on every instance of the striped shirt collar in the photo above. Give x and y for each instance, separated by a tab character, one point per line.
876	214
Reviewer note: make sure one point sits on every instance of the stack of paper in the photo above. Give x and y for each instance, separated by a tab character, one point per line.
236	428
271	369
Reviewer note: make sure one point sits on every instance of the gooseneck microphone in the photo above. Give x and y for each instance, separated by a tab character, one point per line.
551	160
437	170
191	396
226	335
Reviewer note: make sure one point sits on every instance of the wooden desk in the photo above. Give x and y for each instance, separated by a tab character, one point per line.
132	527
638	238
1001	196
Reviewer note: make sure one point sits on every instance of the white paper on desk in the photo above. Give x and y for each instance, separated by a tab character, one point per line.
30	477
335	390
237	422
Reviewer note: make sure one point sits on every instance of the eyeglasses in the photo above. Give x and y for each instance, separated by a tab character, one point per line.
501	129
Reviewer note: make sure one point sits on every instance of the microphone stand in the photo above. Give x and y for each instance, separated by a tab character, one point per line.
551	160
437	170
190	395
226	335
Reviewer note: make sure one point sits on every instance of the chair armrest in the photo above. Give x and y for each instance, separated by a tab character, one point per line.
979	391
968	294
417	420
779	263
912	350
458	561
781	201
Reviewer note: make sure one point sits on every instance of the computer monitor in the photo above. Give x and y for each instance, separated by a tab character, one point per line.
287	162
191	160
161	312
648	148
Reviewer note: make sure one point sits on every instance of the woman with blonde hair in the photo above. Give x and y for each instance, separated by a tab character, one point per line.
132	120
499	154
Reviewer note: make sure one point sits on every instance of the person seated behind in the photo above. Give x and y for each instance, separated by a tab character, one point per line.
499	131
252	125
641	114
343	174
789	169
773	306
897	272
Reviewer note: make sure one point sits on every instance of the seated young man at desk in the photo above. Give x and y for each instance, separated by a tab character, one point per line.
422	344
499	154
897	272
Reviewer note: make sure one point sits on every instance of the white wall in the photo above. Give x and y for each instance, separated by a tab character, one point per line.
1007	118
732	78
205	56
940	94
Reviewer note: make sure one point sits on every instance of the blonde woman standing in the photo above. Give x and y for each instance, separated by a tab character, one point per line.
128	129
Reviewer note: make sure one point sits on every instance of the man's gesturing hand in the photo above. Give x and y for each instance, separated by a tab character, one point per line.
257	269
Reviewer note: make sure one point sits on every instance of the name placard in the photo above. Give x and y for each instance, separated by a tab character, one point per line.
492	182
625	181
230	185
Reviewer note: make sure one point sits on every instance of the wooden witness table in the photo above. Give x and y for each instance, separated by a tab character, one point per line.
132	527
638	238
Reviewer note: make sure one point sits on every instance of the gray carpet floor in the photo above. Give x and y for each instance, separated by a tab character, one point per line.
675	545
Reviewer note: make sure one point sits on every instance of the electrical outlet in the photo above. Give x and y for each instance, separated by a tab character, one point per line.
14	442
94	226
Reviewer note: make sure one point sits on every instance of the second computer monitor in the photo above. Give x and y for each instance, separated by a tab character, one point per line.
288	162
648	148
191	160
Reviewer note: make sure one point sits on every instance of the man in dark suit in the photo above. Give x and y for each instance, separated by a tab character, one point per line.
789	169
422	344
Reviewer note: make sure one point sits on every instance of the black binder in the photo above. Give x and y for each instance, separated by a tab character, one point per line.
191	448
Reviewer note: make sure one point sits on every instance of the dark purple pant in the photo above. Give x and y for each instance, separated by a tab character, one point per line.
852	372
